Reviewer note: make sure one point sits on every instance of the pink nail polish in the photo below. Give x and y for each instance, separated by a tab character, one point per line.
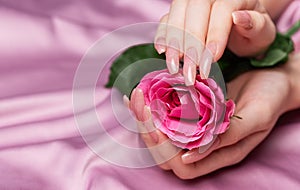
242	18
160	45
172	56
190	61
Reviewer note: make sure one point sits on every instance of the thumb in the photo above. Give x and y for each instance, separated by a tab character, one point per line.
255	27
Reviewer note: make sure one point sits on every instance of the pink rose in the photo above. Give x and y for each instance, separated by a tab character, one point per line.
189	115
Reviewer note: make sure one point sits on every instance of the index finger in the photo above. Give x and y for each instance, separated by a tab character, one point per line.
221	22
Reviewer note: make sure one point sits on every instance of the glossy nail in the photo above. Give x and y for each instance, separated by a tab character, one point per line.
172	56
242	18
195	155
160	45
126	101
205	64
190	64
149	124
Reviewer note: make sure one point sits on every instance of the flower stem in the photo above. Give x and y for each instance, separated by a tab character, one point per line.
293	29
236	116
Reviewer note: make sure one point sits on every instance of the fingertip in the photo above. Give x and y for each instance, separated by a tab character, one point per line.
190	156
172	56
126	101
242	19
160	45
190	66
201	152
206	60
133	97
138	91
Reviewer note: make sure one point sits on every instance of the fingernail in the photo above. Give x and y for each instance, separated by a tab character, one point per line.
132	97
172	56
242	18
205	64
149	124
160	45
196	155
189	157
126	101
190	59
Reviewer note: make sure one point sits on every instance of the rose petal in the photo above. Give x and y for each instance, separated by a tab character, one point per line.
230	107
190	116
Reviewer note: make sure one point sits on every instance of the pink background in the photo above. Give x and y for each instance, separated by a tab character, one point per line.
42	43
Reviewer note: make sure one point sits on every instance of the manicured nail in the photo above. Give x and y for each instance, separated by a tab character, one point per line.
198	154
160	45
126	101
190	61
149	124
190	156
242	18
205	64
172	56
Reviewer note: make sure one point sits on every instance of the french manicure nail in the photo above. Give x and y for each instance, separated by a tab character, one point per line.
205	64
160	45
172	56
190	59
126	101
189	156
200	153
242	18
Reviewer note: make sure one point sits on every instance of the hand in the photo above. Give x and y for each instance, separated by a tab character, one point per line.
192	24
261	96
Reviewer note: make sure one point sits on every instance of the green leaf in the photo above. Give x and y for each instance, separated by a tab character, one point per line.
128	69
273	57
277	52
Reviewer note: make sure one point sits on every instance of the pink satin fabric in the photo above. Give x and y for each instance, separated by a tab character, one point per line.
41	45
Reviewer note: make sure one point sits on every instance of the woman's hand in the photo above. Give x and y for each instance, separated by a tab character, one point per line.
261	96
201	29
